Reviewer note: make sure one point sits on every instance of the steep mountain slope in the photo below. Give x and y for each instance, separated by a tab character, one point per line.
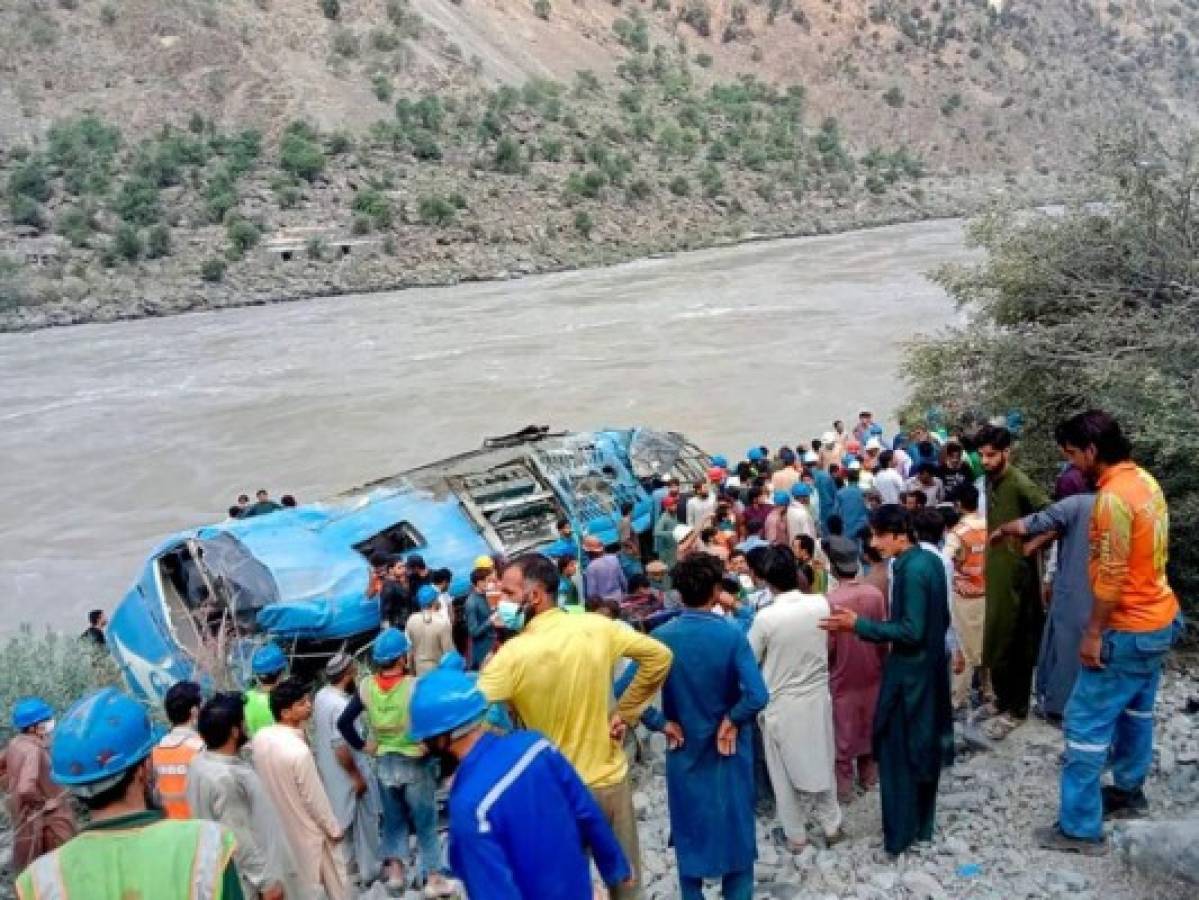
154	145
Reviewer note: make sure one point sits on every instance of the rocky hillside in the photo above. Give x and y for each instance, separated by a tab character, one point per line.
163	156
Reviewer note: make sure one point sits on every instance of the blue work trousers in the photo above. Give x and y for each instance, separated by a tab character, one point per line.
733	886
1109	720
407	787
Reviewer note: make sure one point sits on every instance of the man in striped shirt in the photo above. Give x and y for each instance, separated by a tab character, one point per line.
1109	717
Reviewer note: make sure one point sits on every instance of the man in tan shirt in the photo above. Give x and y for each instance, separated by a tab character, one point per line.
429	631
288	772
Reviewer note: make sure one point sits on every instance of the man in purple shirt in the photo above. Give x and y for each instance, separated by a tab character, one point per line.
603	578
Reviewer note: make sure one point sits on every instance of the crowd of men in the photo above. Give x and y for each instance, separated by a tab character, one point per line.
800	627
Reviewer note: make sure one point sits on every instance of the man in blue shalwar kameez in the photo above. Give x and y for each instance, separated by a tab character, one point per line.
709	702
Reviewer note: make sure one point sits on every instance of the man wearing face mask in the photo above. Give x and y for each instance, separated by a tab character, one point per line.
224	788
39	813
502	784
557	674
101	753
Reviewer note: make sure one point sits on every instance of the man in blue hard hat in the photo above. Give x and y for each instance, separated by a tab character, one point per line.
101	753
38	813
404	768
502	786
269	665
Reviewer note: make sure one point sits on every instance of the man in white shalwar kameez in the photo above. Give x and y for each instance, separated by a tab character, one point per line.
348	776
797	724
288	771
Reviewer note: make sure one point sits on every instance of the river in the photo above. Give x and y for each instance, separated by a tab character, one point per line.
113	436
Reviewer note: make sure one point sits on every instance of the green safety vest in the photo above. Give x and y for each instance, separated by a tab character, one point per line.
258	710
169	860
387	712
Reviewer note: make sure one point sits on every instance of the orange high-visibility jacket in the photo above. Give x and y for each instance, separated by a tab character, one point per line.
171	759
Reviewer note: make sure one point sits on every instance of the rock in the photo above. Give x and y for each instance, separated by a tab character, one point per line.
1166	849
641	804
884	880
923	886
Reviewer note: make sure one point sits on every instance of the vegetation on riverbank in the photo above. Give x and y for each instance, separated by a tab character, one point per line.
1098	307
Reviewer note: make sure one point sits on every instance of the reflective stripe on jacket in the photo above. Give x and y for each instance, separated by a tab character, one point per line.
171	759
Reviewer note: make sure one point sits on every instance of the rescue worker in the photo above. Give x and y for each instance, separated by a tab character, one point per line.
39	815
502	784
101	753
403	767
175	751
268	665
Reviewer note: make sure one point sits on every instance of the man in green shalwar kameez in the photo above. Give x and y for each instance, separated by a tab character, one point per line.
1015	616
913	722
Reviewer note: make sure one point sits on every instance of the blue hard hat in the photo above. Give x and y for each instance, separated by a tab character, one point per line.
754	454
29	711
781	498
443	699
453	660
799	489
268	660
720	462
390	645
426	596
101	736
876	429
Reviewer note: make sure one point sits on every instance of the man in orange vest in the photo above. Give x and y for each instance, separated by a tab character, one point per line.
173	754
967	545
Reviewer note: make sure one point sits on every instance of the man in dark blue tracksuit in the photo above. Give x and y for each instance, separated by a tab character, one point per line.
521	820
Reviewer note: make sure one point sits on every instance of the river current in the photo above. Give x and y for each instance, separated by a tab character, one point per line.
113	436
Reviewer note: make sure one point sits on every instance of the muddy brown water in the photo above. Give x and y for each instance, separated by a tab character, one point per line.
113	436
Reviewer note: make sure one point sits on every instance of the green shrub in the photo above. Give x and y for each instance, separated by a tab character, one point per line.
680	186
158	242
345	43
213	270
704	60
127	243
53	666
551	149
542	9
639	190
137	202
584	224
300	156
458	200
220	196
31	180
381	85
434	209
711	180
586	84
26	211
331	8
108	14
384	40
508	156
339	143
951	104
360	226
76	224
425	146
893	97
243	235
315	248
753	156
373	204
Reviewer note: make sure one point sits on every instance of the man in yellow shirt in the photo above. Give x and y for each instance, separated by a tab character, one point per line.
557	675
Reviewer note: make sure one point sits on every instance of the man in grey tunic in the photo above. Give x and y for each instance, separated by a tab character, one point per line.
224	788
347	775
1068	520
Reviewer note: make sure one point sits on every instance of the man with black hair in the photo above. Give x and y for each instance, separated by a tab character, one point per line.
96	623
1134	620
285	763
222	787
913	725
709	701
480	624
926	481
797	725
887	480
955	472
557	674
851	504
178	747
263	504
1015	616
397	600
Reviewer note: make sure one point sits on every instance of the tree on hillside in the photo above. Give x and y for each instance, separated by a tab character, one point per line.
1098	307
